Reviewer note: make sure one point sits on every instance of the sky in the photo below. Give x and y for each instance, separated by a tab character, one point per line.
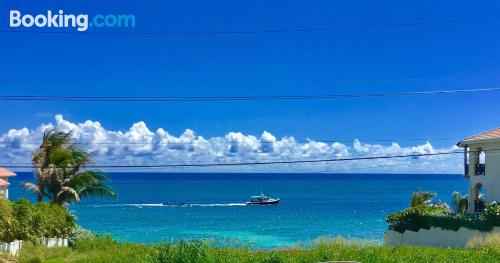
440	56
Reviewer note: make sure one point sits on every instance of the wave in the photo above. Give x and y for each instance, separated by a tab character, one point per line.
172	205
229	204
134	205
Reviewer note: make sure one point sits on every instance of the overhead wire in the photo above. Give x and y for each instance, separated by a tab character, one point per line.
233	98
259	31
415	155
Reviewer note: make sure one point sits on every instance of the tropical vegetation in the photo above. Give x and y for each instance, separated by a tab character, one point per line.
104	249
460	203
61	171
419	198
63	177
23	220
422	213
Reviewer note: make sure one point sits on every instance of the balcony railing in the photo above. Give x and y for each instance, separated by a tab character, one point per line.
480	169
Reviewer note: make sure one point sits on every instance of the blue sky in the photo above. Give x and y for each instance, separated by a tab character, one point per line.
413	58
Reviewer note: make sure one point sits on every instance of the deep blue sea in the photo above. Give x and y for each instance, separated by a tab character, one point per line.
312	206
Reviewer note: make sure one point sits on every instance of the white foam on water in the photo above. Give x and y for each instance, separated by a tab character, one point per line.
172	205
230	204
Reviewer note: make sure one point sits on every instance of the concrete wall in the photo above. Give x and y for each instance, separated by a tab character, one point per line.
434	237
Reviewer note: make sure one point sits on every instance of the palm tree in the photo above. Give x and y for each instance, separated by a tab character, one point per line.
61	173
52	140
419	198
459	202
69	182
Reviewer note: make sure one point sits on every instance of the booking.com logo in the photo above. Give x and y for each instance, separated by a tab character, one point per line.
61	20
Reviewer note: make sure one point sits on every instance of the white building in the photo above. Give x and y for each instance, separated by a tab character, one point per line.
482	168
4	182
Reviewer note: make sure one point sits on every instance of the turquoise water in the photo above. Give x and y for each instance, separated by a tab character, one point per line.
312	206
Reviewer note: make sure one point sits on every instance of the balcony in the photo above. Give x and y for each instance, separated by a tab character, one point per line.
480	169
478	206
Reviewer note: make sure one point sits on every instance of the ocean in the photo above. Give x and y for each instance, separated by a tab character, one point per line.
311	206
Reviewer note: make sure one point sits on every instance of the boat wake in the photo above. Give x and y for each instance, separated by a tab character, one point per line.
172	205
230	204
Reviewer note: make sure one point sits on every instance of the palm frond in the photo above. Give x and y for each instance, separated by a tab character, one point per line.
32	187
65	190
459	202
421	198
98	190
98	175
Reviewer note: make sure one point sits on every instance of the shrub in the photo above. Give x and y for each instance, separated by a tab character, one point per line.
52	220
6	219
23	214
493	213
415	218
79	234
29	222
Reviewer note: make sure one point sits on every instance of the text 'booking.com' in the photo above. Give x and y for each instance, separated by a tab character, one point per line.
59	19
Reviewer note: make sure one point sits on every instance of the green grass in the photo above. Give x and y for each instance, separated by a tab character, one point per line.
107	250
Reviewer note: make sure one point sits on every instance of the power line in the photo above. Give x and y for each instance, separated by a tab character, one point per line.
262	163
233	83
234	98
263	31
196	160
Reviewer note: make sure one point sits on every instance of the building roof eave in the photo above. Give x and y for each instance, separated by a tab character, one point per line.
4	173
485	137
466	142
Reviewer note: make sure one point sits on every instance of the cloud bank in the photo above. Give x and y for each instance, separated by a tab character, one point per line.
141	146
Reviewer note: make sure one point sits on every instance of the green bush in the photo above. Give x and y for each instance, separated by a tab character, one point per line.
23	214
415	218
493	213
79	234
6	219
28	221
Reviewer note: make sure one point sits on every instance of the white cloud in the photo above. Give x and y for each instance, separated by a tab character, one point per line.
140	146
